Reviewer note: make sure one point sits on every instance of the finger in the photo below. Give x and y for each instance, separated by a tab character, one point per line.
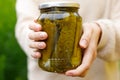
88	58
87	33
37	45
35	27
38	36
36	55
77	72
89	53
83	68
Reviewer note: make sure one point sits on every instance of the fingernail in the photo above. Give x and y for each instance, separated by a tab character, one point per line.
42	45
43	35
35	55
37	26
83	43
70	74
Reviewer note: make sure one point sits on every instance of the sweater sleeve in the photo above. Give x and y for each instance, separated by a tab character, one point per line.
108	48
27	11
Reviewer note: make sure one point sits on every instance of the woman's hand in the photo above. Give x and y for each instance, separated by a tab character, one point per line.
89	42
37	36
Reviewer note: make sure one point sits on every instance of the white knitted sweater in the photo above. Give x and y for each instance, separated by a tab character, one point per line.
105	12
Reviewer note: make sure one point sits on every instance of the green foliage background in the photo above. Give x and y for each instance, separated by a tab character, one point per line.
12	58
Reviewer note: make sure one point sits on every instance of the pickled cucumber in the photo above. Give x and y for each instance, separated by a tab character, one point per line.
62	52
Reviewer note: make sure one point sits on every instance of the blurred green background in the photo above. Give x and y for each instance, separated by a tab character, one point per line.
12	58
13	64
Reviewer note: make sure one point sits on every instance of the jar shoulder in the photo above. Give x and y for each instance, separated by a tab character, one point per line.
55	15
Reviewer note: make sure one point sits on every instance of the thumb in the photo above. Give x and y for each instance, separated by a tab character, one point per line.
87	33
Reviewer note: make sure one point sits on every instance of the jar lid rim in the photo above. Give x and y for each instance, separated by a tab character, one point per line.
59	4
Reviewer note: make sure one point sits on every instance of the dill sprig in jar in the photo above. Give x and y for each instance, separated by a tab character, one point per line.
63	25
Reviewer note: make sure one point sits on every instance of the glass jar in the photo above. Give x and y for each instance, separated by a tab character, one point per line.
63	25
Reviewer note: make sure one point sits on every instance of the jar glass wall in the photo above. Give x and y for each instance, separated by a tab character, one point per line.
64	28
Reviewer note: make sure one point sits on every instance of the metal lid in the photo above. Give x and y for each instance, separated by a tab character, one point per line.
59	4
